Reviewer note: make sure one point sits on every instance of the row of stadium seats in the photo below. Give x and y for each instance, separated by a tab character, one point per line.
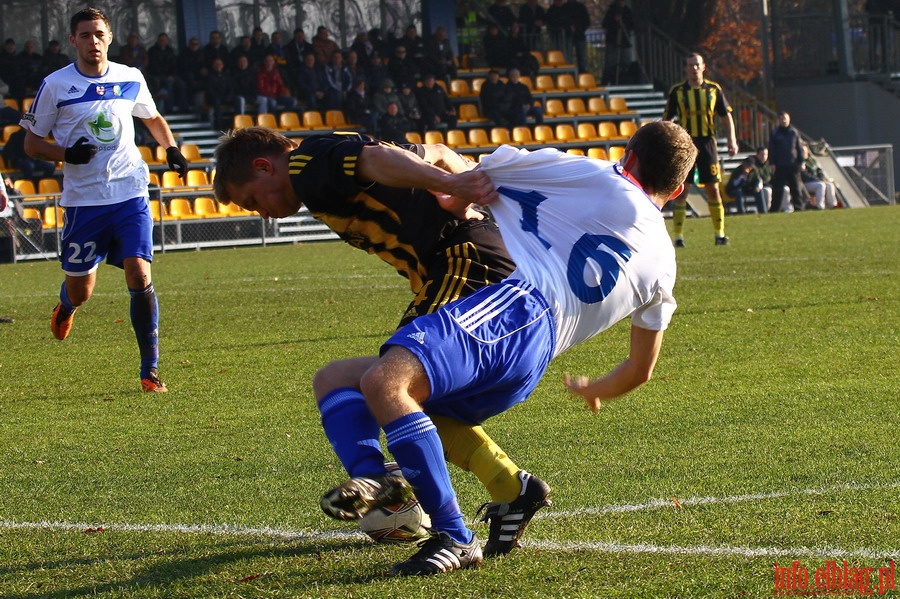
542	135
157	155
541	84
311	120
201	207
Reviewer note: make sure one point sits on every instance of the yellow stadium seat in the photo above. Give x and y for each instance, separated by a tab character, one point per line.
597	152
539	57
53	217
616	153
232	209
543	134
587	82
154	180
556	58
413	137
12	103
48	185
456	138
576	107
242	120
478	138
575	151
459	87
544	83
197	178
191	153
527	81
25	187
627	128
608	130
147	154
597	105
434	137
267	120
160	155
468	113
336	119
587	132
289	121
180	208
500	135
155	207
555	108
9	130
312	119
26	104
31	214
565	82
476	85
205	207
171	179
522	135
618	104
565	132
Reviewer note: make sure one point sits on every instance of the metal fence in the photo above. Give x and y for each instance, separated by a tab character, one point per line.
871	168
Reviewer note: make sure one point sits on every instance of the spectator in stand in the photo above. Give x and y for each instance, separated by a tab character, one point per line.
468	22
437	110
277	49
245	87
244	47
415	47
10	69
363	47
54	58
745	181
402	69
297	49
579	21
192	67
133	53
786	157
214	49
559	28
270	86
311	83
823	193
219	93
496	49
338	81
522	100
501	14
163	76
520	55
377	71
16	158
385	96
618	24
351	60
497	101
323	46
439	56
392	125
258	45
359	108
531	18
409	105
30	63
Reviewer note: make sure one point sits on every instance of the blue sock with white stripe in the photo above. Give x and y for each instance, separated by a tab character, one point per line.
414	442
352	431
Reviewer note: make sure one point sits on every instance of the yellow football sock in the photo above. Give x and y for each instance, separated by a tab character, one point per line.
470	448
679	214
717	214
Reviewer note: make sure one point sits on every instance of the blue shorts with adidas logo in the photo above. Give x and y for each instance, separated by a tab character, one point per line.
484	353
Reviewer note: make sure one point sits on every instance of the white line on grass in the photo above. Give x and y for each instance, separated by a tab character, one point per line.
600	546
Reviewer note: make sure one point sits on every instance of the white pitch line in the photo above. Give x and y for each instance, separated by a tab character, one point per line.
599	546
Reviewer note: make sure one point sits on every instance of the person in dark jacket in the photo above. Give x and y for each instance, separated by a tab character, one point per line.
786	158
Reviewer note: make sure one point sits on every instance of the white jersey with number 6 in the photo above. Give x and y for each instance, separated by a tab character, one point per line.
616	259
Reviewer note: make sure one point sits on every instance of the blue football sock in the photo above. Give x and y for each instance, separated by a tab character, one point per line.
145	322
414	442
352	431
64	299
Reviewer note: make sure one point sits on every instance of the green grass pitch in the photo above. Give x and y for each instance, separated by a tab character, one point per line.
769	433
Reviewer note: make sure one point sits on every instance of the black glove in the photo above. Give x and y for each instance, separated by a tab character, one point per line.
81	152
177	161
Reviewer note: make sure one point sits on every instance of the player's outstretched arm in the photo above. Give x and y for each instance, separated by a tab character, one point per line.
630	374
40	148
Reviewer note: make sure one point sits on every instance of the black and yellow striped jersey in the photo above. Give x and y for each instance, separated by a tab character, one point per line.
403	227
696	108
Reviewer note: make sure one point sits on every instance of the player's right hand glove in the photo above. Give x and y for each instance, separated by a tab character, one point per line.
81	152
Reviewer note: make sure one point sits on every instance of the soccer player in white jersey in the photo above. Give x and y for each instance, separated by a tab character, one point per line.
89	107
591	248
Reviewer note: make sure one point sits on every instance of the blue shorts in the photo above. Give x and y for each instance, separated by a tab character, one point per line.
115	232
482	354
